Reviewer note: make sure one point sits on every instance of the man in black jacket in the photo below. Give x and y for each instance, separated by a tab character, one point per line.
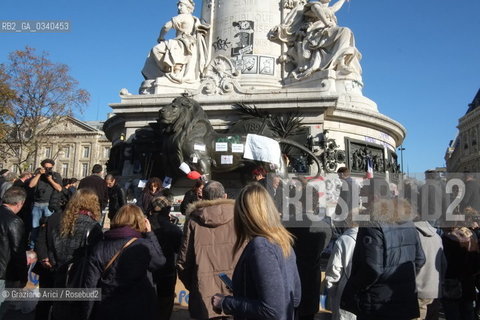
96	183
13	261
387	256
116	196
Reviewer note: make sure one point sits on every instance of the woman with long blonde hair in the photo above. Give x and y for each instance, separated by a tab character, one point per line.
265	282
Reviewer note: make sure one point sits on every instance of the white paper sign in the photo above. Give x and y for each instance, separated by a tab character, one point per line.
226	159
221	146
262	148
237	147
199	147
142	183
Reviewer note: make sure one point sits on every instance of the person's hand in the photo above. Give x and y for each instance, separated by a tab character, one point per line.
46	263
148	226
41	170
217	300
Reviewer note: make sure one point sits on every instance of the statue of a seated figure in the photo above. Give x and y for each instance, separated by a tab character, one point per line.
315	42
183	58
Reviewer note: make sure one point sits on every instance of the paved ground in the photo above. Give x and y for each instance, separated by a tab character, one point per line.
180	313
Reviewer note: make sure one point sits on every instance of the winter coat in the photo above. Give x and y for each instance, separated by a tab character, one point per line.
382	282
463	261
96	183
13	262
189	197
338	271
206	251
430	277
308	246
145	200
116	199
169	237
266	285
62	249
127	290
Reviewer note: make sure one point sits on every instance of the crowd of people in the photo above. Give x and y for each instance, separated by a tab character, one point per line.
252	257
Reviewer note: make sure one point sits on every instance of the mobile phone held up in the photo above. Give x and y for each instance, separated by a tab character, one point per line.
226	280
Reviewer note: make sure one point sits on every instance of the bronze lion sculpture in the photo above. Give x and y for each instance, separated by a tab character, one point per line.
188	137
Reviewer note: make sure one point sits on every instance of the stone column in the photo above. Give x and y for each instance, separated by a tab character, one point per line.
239	32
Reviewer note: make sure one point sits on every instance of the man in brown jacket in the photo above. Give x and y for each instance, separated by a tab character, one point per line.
208	240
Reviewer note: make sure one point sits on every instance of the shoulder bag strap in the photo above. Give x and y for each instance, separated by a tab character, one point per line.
109	264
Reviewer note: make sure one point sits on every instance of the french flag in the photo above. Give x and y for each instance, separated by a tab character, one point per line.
369	174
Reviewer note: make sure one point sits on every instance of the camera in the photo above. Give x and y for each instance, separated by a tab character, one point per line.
48	171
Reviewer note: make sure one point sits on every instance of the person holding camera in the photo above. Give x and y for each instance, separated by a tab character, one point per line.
45	182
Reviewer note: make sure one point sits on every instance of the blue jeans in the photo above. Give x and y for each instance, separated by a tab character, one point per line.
39	210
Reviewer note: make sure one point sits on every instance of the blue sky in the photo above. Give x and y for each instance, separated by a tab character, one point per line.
421	59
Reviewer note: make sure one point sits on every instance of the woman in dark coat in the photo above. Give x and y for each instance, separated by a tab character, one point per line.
152	189
169	236
192	195
127	289
67	242
462	253
386	258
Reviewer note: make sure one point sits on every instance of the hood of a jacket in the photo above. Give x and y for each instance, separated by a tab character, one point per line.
425	228
211	213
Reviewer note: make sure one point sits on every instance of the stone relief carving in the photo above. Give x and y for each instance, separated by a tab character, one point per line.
220	77
315	42
183	58
361	153
332	155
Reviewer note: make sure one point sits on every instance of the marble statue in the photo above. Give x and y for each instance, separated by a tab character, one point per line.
183	58
315	42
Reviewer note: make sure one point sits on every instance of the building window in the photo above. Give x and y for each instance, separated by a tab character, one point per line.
86	152
48	152
66	152
106	152
64	170
84	170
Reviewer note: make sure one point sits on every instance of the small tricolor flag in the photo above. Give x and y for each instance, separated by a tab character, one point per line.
369	174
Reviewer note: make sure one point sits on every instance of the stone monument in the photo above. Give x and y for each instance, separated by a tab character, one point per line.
280	56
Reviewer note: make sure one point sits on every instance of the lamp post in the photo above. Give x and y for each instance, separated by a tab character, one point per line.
401	148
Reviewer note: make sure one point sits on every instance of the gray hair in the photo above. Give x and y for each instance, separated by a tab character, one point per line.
11	176
213	190
14	195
